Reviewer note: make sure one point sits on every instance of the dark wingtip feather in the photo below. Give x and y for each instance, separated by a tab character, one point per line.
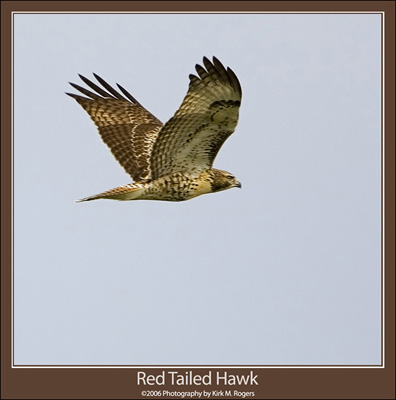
109	88
72	94
84	91
216	61
95	87
219	66
97	77
234	80
194	80
221	70
216	68
201	71
127	94
212	70
206	60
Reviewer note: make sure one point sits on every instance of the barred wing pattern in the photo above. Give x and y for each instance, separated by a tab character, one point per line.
128	129
191	139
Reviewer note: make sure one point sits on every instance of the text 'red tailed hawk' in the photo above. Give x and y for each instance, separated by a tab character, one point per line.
171	161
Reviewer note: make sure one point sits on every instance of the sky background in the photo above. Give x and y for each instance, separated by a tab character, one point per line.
284	271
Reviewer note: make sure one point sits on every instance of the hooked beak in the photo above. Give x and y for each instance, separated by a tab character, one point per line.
238	185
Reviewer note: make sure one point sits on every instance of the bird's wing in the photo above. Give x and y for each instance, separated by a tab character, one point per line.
127	128
191	139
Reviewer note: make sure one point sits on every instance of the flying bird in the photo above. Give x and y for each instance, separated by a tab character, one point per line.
171	161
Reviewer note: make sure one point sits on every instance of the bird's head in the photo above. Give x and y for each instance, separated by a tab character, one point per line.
223	180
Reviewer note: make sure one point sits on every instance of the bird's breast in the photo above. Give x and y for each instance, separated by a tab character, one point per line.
178	187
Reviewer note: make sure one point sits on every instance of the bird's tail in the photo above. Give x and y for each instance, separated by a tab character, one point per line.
126	192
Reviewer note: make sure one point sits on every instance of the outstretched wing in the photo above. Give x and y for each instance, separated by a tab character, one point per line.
191	139
124	125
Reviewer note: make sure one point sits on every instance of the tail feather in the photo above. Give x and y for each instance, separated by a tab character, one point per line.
126	192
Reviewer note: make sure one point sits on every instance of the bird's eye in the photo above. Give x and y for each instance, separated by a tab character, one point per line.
230	177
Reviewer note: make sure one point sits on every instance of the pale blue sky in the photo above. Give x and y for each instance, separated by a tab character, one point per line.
284	271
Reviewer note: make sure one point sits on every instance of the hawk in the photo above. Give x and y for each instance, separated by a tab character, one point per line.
171	161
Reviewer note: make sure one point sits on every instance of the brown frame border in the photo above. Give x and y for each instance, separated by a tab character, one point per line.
120	383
